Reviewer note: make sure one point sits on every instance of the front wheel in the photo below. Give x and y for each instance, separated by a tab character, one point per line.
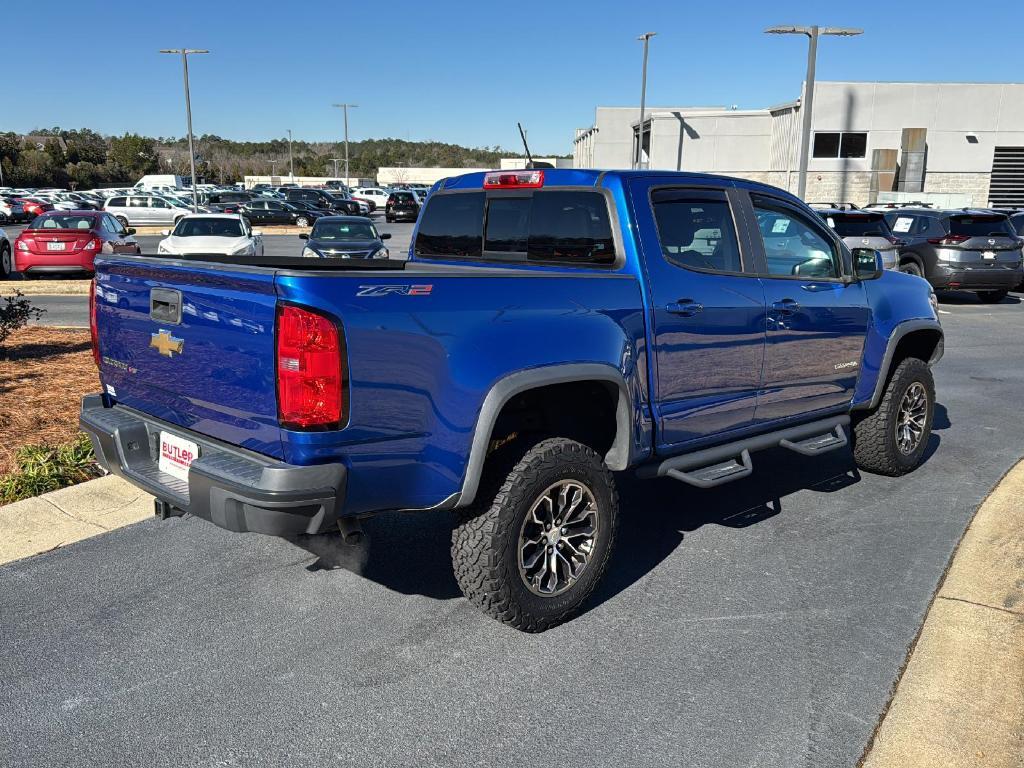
302	221
534	547
992	297
892	440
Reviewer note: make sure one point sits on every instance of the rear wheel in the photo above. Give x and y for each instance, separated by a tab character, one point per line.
892	440
6	262
533	548
992	297
912	268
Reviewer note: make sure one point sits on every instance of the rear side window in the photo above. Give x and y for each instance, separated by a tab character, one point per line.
570	226
116	202
695	229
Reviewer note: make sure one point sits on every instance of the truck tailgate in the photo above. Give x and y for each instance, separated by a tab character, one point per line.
225	386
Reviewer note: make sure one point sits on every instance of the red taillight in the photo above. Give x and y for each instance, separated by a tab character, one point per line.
948	239
94	244
92	323
310	386
514	180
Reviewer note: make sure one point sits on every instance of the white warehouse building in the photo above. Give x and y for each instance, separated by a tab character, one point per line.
952	143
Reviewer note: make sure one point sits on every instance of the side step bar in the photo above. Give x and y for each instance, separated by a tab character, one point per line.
721	464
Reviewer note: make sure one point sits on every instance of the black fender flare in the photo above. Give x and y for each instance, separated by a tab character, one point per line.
619	456
898	333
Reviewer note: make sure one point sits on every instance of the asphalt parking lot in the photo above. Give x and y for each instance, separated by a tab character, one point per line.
760	624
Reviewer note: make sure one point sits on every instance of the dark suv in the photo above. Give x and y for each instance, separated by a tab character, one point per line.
322	200
960	249
402	205
228	202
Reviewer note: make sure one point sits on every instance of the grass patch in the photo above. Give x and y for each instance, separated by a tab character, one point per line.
43	468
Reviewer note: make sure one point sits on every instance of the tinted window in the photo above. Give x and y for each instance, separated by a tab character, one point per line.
452	225
859	225
62	221
508	224
1017	222
793	245
840	145
570	226
208	227
696	229
978	226
116	202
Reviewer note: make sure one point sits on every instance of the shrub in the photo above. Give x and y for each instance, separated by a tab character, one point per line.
15	312
43	468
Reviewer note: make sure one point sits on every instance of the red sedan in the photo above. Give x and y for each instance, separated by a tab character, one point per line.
33	206
68	241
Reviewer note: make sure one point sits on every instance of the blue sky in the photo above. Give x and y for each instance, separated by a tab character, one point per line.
461	72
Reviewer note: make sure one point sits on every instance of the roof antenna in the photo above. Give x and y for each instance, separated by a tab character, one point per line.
529	157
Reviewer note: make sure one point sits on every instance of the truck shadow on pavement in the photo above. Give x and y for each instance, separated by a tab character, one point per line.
409	552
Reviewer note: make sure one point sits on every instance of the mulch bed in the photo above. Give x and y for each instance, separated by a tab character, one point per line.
44	372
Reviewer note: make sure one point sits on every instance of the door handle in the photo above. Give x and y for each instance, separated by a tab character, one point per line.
786	306
685	307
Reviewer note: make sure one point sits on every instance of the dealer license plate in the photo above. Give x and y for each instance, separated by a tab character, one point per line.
55	246
176	455
988	254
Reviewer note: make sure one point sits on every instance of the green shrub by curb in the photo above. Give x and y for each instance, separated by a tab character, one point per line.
43	468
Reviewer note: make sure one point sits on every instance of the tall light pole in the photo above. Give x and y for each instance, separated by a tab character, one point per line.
188	116
291	162
646	38
335	160
272	164
345	107
806	107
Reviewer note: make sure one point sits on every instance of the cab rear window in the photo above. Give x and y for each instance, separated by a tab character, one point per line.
553	226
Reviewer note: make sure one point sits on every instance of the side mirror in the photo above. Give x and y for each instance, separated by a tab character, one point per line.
304	236
131	231
386	236
867	263
164	232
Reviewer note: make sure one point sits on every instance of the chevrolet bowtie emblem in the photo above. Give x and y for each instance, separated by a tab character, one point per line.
166	344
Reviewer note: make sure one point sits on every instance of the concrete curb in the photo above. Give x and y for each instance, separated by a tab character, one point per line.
45	287
960	700
71	514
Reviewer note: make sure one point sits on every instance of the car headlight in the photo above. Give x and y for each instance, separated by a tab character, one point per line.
242	250
380	253
309	253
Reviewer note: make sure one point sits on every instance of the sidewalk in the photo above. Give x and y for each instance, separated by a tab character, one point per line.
55	519
960	701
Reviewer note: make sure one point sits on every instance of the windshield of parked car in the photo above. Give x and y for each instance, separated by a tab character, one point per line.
343	230
63	222
859	225
979	226
208	227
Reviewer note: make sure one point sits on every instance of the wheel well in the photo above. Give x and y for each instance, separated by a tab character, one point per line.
584	411
905	257
920	344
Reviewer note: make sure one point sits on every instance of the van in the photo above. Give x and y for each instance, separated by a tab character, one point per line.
160	180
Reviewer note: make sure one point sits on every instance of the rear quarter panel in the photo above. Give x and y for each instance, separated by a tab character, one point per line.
420	365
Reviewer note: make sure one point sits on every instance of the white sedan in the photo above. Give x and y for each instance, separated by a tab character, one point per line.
219	233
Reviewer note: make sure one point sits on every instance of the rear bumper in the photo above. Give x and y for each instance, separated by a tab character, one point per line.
234	489
39	263
976	278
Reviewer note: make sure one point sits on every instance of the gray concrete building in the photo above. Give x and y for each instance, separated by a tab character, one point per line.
953	143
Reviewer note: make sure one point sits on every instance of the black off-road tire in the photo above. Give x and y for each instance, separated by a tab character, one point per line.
992	297
874	436
486	536
6	262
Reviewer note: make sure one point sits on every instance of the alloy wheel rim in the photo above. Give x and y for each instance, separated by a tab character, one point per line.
558	538
911	418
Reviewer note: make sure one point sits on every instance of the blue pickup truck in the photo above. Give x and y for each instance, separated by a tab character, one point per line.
550	328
